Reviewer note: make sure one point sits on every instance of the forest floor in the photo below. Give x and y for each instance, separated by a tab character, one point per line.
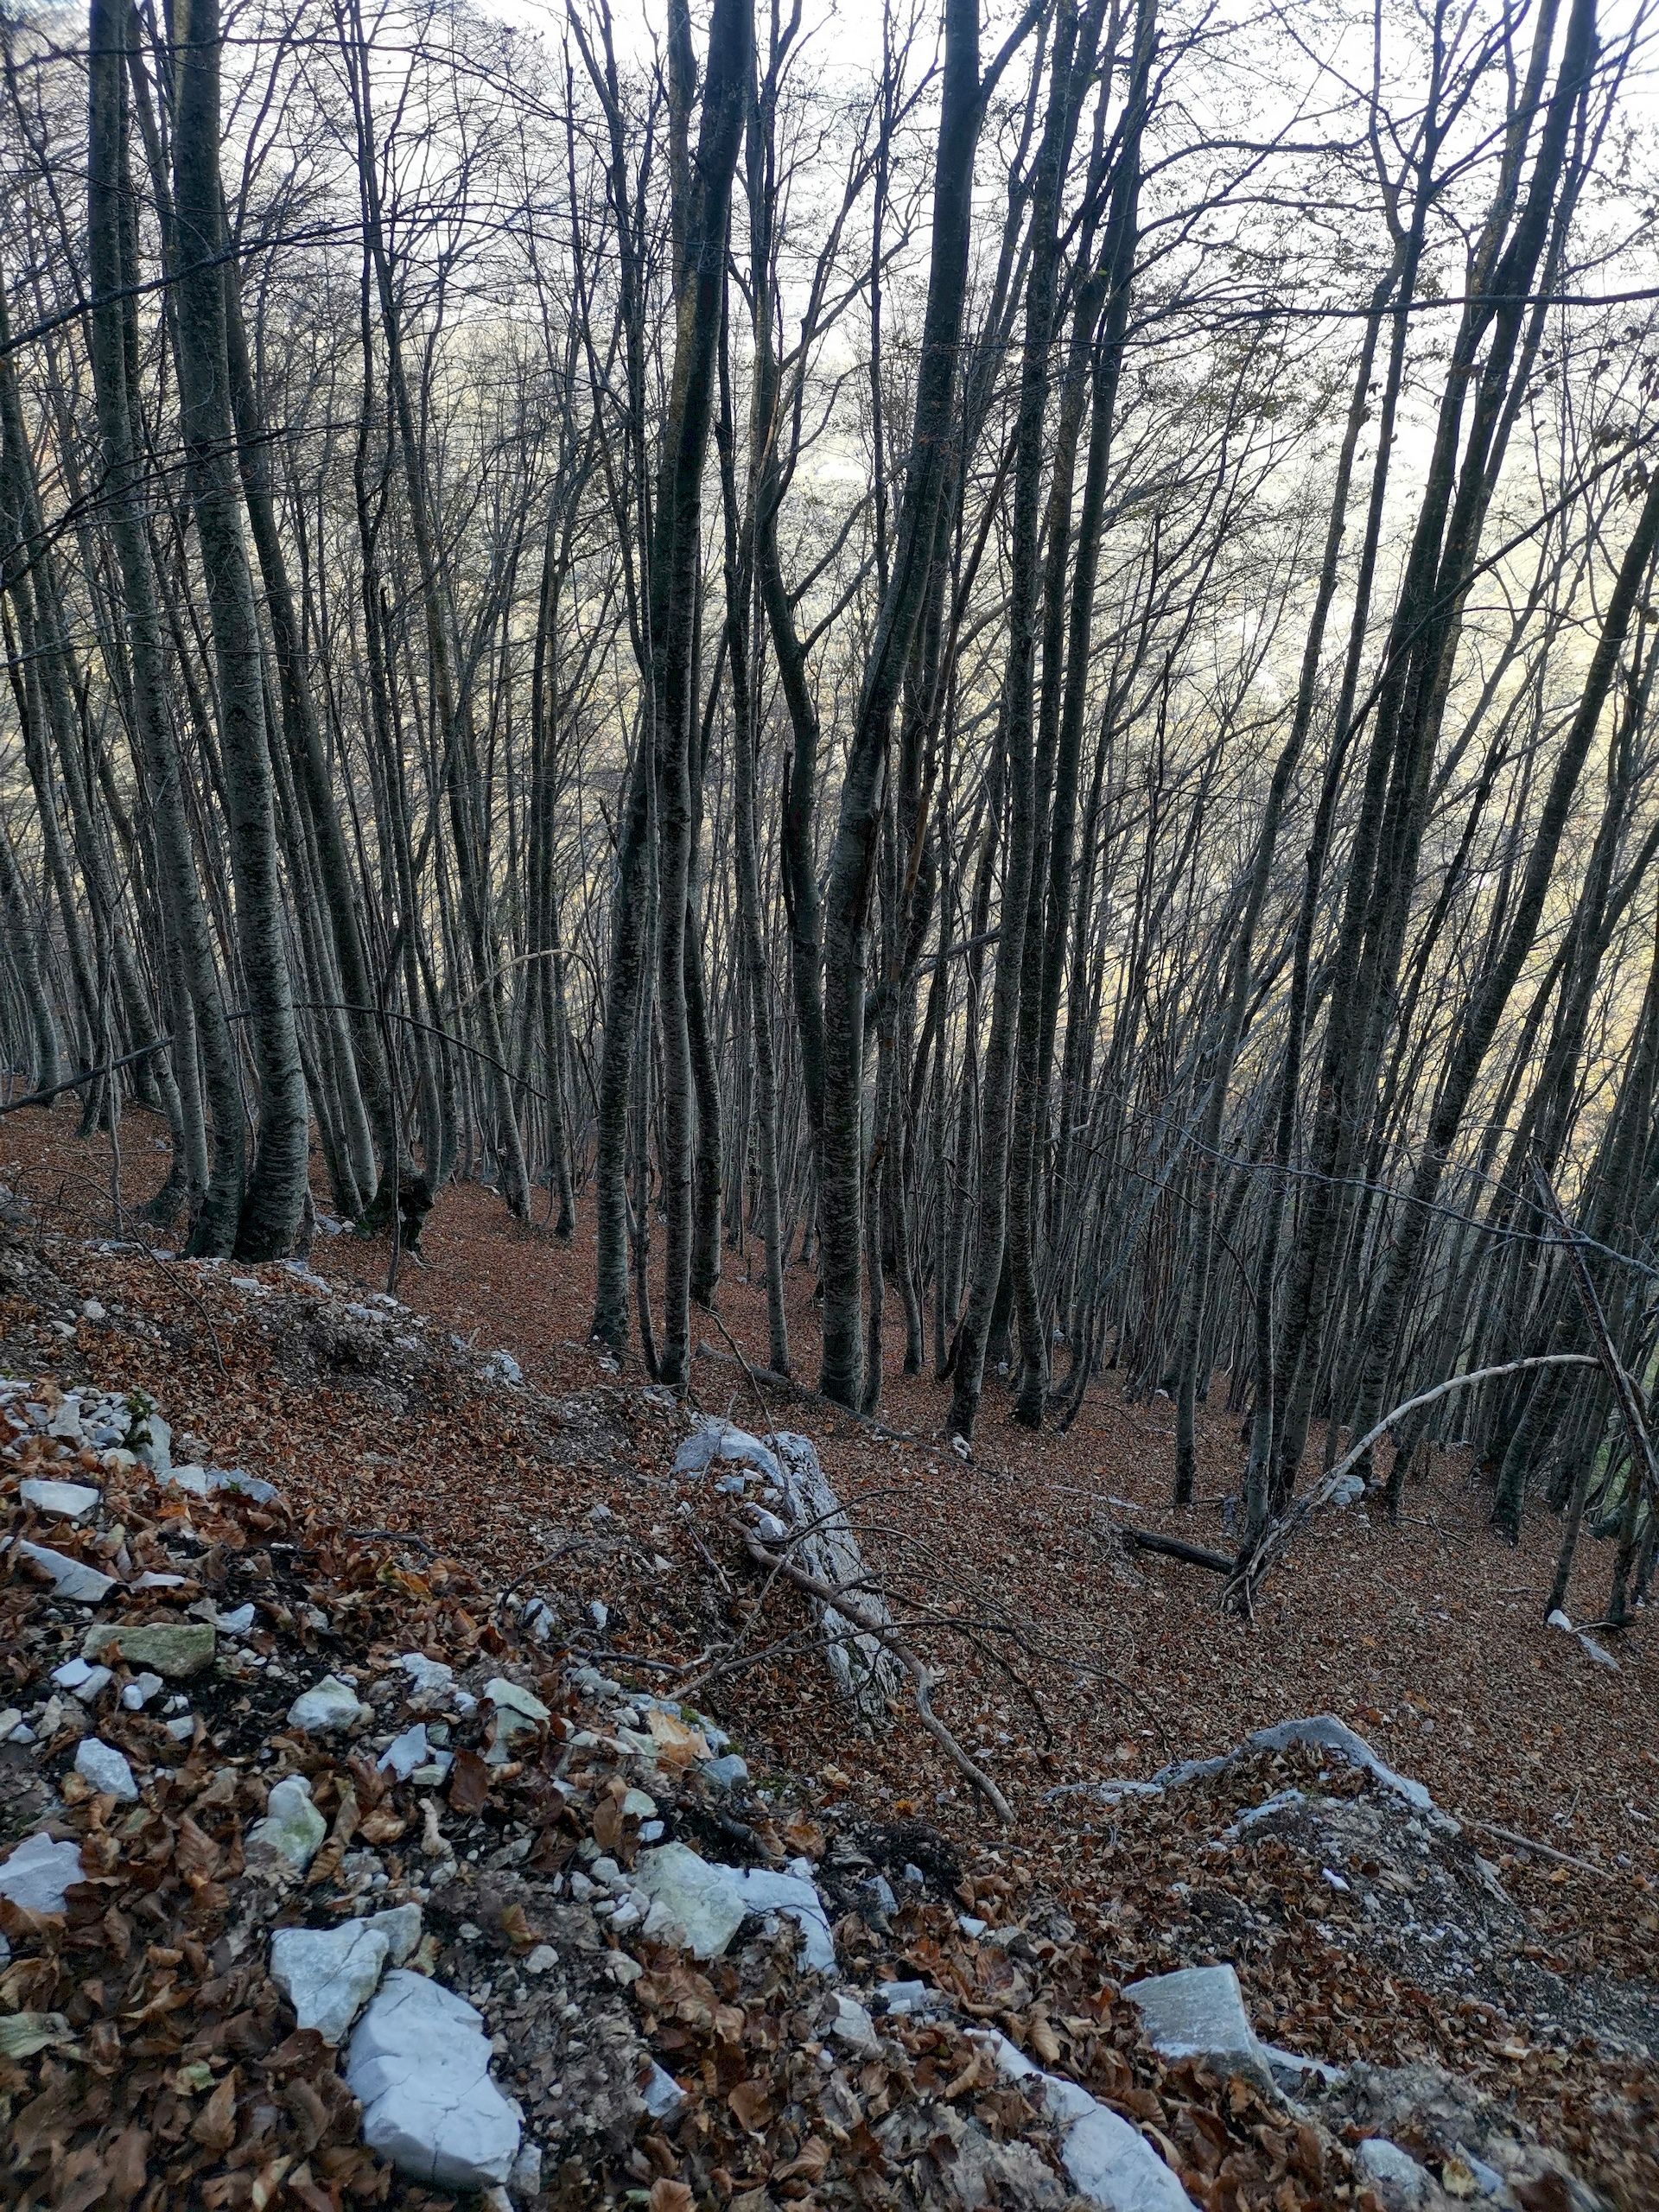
1070	1663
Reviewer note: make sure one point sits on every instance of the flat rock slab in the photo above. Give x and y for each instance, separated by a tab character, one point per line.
419	2064
63	1501
38	1873
72	1579
174	1649
1198	2013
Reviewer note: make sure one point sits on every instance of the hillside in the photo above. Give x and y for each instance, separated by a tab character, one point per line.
520	1518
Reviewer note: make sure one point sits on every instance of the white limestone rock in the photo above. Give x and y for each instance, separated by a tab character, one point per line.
328	1974
63	1501
1114	2166
75	1582
419	2064
103	1768
1109	2164
39	1872
293	1829
795	1895
700	1905
661	2093
517	1711
1198	2013
327	1708
1395	2176
405	1752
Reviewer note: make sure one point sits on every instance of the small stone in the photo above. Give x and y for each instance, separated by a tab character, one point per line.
103	1767
401	1926
180	1730
39	1872
405	1752
327	1708
851	2024
1398	2179
524	2181
88	1683
174	1649
542	1960
703	1904
725	1773
293	1828
63	1501
517	1710
138	1693
328	1974
66	1421
661	2093
92	1311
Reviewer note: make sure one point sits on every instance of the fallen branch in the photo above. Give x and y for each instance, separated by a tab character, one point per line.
921	1677
1256	1555
56	1090
1146	1540
1543	1850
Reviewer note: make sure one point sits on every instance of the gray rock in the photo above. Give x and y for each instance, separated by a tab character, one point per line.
795	1895
88	1683
211	1482
725	1772
420	2065
293	1829
139	1692
702	1906
1114	2166
851	2024
1348	1491
662	2094
1325	1733
75	1582
1292	2070
1198	2013
406	1752
714	1441
517	1711
63	1501
38	1873
327	1707
1107	2162
401	1926
1395	2176
103	1767
328	1974
174	1649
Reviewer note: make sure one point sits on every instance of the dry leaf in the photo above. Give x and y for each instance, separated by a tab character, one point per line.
469	1783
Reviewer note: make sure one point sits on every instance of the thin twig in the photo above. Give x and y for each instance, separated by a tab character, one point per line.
920	1676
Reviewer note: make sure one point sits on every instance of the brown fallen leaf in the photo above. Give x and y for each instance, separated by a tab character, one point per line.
750	2104
469	1783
